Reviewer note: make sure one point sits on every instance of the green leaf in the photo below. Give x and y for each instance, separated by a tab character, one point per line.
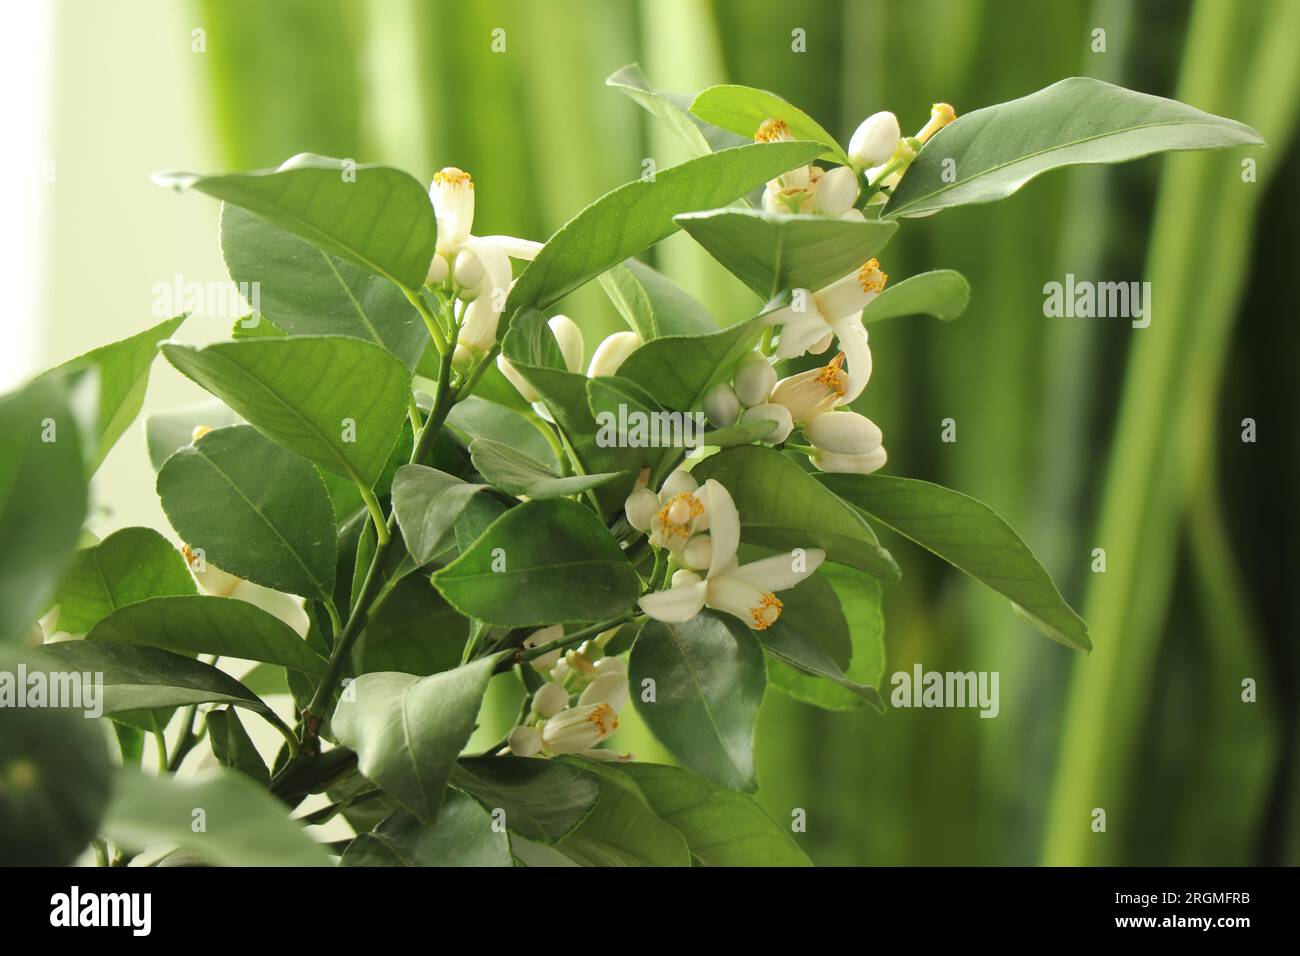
258	511
302	393
517	474
374	216
942	293
970	536
541	563
42	500
408	731
463	836
127	567
542	799
652	304
54	783
303	290
415	632
998	149
782	506
721	827
145	678
638	214
742	109
741	433
771	252
478	418
674	110
204	624
168	432
243	825
232	746
677	370
709	679
859	599
428	502
798	649
123	378
622	829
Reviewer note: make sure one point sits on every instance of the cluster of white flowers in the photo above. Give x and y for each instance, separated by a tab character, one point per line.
556	723
699	526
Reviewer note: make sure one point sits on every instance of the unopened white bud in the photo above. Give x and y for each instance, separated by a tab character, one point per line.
438	270
755	379
698	552
829	461
612	353
641	507
875	139
844	433
684	578
550	699
771	412
468	274
518	381
721	406
524	741
837	191
569	337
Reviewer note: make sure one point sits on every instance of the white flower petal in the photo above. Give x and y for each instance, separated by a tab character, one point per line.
724	526
852	336
675	605
780	571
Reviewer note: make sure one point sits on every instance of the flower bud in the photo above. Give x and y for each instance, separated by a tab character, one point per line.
837	191
771	412
844	433
525	741
698	552
452	193
610	688
579	728
569	337
438	270
830	461
550	699
641	507
541	638
610	665
468	274
721	405
755	379
684	578
612	353
518	381
875	140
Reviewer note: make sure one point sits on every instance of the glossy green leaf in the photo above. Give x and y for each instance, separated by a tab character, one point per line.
542	799
42	500
243	825
464	835
54	783
998	149
799	649
415	631
168	432
541	563
203	624
127	567
517	474
942	293
304	290
145	678
374	216
622	829
741	433
232	746
408	731
742	109
310	395
123	369
721	827
428	502
782	506
677	370
709	680
970	536
673	109
258	511
478	418
652	304
771	252
636	215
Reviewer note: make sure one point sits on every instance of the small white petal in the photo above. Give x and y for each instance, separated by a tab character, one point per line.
721	406
550	699
515	247
518	381
757	607
850	464
569	337
852	336
802	332
641	507
579	728
698	552
612	353
780	571
438	270
724	526
679	481
606	689
771	412
675	605
610	665
524	741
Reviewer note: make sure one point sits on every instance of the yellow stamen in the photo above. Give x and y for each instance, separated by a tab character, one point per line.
604	719
768	610
680	528
190	557
451	176
941	114
832	376
772	130
870	277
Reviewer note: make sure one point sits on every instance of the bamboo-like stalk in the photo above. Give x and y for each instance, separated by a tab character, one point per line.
1203	211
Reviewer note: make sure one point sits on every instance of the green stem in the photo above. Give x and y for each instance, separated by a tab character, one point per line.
160	742
430	323
376	515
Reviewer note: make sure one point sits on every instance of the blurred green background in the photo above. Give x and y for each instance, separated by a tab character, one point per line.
1083	434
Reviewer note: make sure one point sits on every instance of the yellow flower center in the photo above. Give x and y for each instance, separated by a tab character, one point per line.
832	376
772	131
604	719
768	610
676	516
451	176
870	277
